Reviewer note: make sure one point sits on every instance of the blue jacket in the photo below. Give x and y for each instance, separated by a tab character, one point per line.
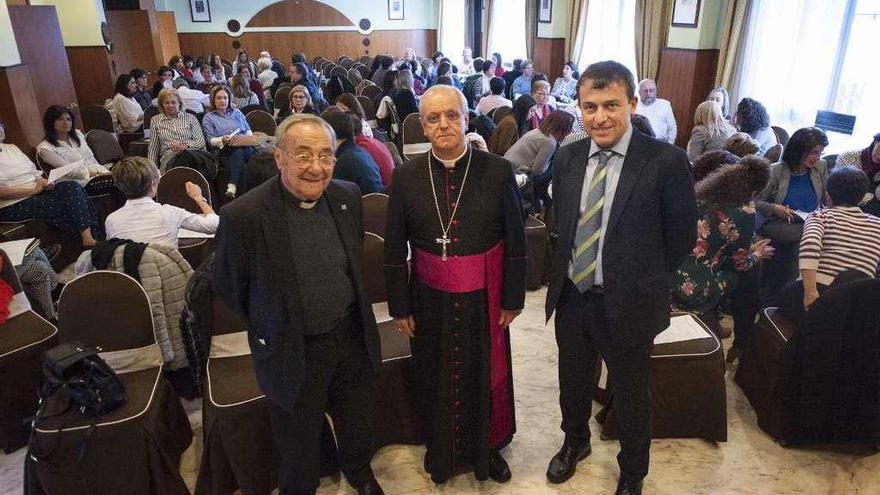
354	164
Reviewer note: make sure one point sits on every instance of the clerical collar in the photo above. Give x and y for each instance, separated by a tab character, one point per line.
305	204
449	163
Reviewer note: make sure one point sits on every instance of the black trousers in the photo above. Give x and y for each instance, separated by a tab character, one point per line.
743	303
582	334
339	379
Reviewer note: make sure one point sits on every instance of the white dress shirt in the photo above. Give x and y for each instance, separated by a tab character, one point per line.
128	112
193	99
491	102
144	220
662	120
612	177
16	170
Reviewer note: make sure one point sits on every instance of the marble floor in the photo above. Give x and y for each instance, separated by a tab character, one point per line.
750	462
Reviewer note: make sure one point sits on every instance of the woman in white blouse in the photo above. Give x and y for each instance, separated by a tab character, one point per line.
173	131
25	194
65	145
242	95
565	87
128	112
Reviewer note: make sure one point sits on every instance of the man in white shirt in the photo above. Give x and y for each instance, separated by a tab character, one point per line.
466	67
494	100
142	219
657	110
193	99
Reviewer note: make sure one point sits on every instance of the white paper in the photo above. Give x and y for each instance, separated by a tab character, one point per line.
16	250
681	329
802	214
57	173
191	234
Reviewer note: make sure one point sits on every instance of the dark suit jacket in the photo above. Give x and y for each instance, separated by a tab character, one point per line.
254	274
651	229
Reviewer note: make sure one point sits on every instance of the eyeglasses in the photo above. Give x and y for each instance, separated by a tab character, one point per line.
304	159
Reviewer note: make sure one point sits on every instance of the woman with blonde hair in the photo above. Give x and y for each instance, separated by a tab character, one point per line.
710	131
300	102
173	131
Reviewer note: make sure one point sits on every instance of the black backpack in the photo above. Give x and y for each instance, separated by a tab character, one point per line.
92	385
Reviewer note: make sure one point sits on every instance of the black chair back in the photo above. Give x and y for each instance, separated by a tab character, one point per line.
97	117
105	146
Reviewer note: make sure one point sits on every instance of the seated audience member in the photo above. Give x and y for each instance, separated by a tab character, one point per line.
752	118
385	63
658	111
165	80
188	71
217	68
499	66
487	72
352	162
467	63
253	83
208	80
542	108
405	98
64	145
242	60
720	96
173	131
277	67
300	102
25	194
724	249
377	150
193	99
512	127
511	76
176	65
299	75
710	162
531	154
741	145
142	219
227	130
522	85
867	160
266	75
565	87
129	113
420	84
710	130
242	95
797	185
141	95
839	238
348	102
445	70
495	99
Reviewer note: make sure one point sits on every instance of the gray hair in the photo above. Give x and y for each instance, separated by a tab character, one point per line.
299	119
134	175
264	63
444	87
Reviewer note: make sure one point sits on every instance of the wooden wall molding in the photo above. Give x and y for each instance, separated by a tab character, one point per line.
93	76
133	43
330	44
296	13
18	107
685	78
549	57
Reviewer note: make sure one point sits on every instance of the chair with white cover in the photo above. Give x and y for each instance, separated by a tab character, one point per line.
375	207
414	140
134	449
172	191
369	110
23	338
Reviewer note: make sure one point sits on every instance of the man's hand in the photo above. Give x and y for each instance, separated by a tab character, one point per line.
507	317
406	326
193	191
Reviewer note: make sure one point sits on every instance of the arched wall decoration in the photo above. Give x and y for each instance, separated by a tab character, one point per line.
299	13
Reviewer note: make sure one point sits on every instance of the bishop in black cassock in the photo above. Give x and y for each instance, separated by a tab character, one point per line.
463	219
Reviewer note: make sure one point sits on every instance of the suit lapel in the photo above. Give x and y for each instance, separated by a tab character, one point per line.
629	175
276	233
574	182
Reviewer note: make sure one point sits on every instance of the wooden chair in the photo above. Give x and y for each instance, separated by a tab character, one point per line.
327	70
364	70
373	92
261	121
782	135
414	140
773	153
105	146
149	113
97	117
395	155
141	442
375	213
250	108
282	98
24	337
172	191
359	87
499	113
354	76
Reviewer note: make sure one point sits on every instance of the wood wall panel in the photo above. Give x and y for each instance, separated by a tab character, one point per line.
549	56
93	76
132	42
38	36
18	107
685	78
330	44
165	27
299	13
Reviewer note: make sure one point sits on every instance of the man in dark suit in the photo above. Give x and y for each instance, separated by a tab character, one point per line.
288	262
626	217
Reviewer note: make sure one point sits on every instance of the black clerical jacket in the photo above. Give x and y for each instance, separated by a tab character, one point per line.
254	274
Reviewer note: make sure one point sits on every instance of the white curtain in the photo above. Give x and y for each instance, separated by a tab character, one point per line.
507	29
451	35
610	34
788	58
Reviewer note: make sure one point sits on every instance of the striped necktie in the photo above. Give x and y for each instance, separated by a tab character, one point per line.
589	229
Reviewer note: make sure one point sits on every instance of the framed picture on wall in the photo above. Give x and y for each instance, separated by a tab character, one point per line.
685	13
395	10
545	10
200	10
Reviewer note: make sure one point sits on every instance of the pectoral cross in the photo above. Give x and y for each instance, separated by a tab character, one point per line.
444	241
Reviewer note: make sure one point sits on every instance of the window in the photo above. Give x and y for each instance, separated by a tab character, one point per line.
610	34
507	33
819	59
452	28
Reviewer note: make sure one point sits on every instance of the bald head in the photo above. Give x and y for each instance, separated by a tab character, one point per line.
648	91
444	117
443	92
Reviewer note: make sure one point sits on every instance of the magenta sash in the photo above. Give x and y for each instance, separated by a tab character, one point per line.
461	274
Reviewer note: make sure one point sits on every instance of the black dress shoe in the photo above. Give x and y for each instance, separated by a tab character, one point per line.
498	468
565	461
629	487
370	488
